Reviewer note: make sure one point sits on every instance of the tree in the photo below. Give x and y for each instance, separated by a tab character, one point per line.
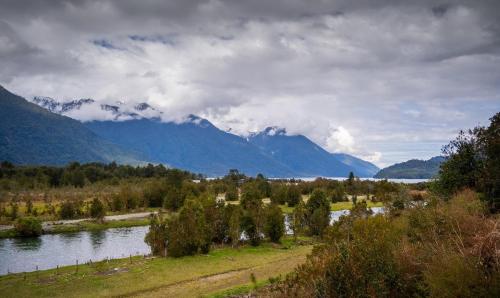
298	222
278	193
473	161
231	193
318	212
293	195
187	232
28	227
350	179
154	194
97	210
252	219
274	226
157	235
250	226
234	231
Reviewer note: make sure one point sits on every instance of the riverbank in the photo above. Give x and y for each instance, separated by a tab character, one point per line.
193	276
86	224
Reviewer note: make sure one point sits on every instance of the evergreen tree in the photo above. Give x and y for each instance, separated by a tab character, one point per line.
274	227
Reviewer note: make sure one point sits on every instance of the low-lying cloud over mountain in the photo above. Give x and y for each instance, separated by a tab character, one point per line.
385	80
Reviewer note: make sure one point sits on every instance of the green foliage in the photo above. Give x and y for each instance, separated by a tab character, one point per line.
278	193
318	212
187	231
293	195
28	227
29	207
231	193
14	210
97	210
441	249
154	193
413	169
473	161
234	230
250	226
68	210
274	226
299	217
157	235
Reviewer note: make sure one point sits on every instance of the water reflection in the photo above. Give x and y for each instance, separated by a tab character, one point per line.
31	243
48	251
97	238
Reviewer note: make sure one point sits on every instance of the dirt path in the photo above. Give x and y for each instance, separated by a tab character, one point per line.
204	285
47	225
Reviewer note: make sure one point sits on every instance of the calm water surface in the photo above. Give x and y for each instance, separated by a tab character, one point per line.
49	251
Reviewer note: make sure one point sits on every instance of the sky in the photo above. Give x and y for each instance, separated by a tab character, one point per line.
386	81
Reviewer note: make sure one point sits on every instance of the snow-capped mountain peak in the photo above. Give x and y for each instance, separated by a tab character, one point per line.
86	109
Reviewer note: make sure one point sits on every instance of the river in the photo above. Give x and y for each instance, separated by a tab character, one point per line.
51	250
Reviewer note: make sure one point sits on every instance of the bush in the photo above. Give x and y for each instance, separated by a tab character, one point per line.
97	210
68	210
318	212
441	249
250	226
278	194
274	227
293	196
28	227
154	194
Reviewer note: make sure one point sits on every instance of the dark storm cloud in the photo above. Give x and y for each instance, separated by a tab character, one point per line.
357	76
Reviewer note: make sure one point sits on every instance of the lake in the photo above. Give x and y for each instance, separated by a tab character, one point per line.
49	251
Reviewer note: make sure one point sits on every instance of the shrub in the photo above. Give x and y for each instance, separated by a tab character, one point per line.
274	227
28	226
154	194
68	210
97	210
293	196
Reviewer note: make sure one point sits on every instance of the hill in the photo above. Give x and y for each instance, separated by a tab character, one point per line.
30	134
307	158
198	146
412	169
195	145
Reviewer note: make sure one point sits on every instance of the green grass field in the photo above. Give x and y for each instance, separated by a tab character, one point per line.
222	270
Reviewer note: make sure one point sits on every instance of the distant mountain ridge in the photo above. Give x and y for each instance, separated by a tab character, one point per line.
117	111
30	134
138	133
413	169
307	158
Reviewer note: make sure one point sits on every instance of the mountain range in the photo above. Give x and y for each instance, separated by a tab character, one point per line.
42	132
413	169
30	134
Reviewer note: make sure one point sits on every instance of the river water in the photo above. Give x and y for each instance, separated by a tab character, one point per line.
49	251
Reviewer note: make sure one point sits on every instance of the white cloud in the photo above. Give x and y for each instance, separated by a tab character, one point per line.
353	76
340	140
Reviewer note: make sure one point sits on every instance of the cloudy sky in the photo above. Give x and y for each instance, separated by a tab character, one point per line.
384	80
